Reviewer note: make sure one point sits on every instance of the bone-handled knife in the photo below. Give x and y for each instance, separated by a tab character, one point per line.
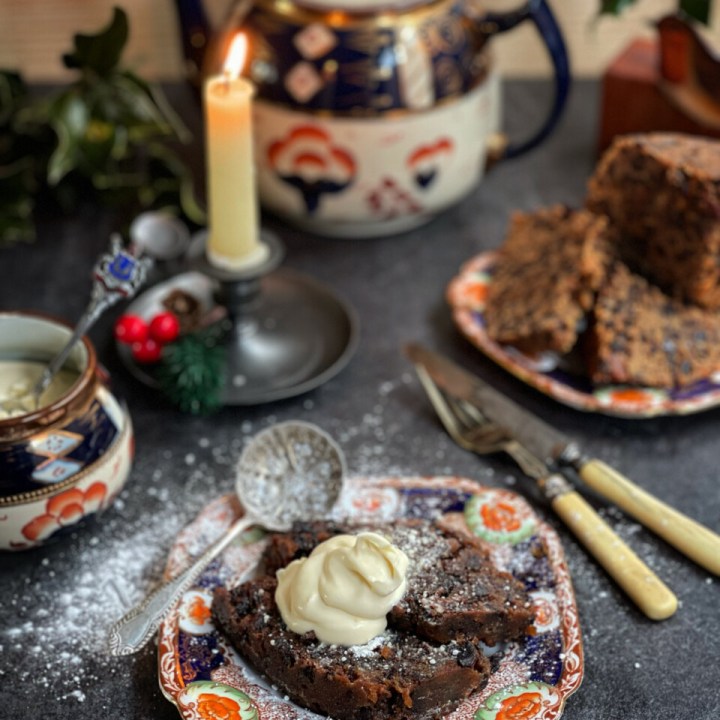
691	538
472	431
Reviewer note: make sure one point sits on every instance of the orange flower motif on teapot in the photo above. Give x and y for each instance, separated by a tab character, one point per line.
308	160
425	162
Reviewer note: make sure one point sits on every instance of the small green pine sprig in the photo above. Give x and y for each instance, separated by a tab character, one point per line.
191	371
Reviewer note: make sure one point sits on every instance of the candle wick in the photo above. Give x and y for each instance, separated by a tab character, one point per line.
227	79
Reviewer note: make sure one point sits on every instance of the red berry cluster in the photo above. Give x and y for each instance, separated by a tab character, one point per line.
146	338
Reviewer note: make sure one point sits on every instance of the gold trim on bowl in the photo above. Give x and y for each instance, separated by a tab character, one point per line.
40	493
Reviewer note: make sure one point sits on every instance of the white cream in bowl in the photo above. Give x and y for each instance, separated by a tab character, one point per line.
17	379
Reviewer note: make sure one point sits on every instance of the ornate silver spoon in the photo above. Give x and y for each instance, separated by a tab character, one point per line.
291	471
117	275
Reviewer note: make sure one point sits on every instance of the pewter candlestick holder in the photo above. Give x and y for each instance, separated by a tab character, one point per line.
287	334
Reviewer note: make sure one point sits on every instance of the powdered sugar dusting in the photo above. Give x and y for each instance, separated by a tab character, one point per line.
514	663
65	596
63	615
69	620
292	471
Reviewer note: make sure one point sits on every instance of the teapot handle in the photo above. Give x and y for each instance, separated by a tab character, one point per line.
540	14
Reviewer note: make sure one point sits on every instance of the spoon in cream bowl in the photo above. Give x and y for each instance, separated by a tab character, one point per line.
291	471
117	275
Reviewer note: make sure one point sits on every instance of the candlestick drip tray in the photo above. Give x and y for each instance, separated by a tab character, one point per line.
285	333
298	336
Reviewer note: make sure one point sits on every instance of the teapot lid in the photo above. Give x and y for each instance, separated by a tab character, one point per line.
360	6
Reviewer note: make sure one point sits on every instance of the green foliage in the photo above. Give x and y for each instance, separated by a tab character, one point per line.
191	371
698	10
614	7
108	132
18	181
100	52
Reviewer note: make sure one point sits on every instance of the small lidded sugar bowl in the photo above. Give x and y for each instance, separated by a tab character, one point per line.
68	459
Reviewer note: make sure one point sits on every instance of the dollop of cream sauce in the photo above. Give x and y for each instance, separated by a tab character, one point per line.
17	379
344	589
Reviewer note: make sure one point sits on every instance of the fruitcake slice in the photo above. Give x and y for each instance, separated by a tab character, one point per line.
453	590
396	676
548	270
643	337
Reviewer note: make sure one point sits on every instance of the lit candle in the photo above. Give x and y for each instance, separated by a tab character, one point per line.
233	239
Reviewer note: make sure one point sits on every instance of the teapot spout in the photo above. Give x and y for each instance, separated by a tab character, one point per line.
195	35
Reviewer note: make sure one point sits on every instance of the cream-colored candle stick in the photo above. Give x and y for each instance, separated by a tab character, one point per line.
234	232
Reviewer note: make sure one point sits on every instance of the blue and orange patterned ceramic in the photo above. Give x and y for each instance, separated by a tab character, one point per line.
64	462
532	678
372	116
466	294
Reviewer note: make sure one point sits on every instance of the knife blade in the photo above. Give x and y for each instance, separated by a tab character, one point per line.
694	540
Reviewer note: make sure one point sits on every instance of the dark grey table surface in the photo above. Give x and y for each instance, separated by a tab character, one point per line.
58	601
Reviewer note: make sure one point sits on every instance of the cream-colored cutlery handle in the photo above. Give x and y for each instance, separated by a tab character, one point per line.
646	590
691	538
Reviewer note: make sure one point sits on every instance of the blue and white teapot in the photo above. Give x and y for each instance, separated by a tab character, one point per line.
373	116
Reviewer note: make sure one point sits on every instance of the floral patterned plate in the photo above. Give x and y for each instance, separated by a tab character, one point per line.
466	295
207	679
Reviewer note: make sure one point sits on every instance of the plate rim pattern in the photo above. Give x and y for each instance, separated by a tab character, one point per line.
216	517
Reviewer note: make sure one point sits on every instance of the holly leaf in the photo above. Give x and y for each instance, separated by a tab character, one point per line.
69	117
162	108
100	52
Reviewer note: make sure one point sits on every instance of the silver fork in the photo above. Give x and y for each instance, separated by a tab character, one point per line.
471	430
475	432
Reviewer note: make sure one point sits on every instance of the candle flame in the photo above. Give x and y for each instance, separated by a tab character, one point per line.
235	57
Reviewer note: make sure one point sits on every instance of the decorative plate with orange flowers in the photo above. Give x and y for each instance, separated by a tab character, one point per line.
532	678
466	294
